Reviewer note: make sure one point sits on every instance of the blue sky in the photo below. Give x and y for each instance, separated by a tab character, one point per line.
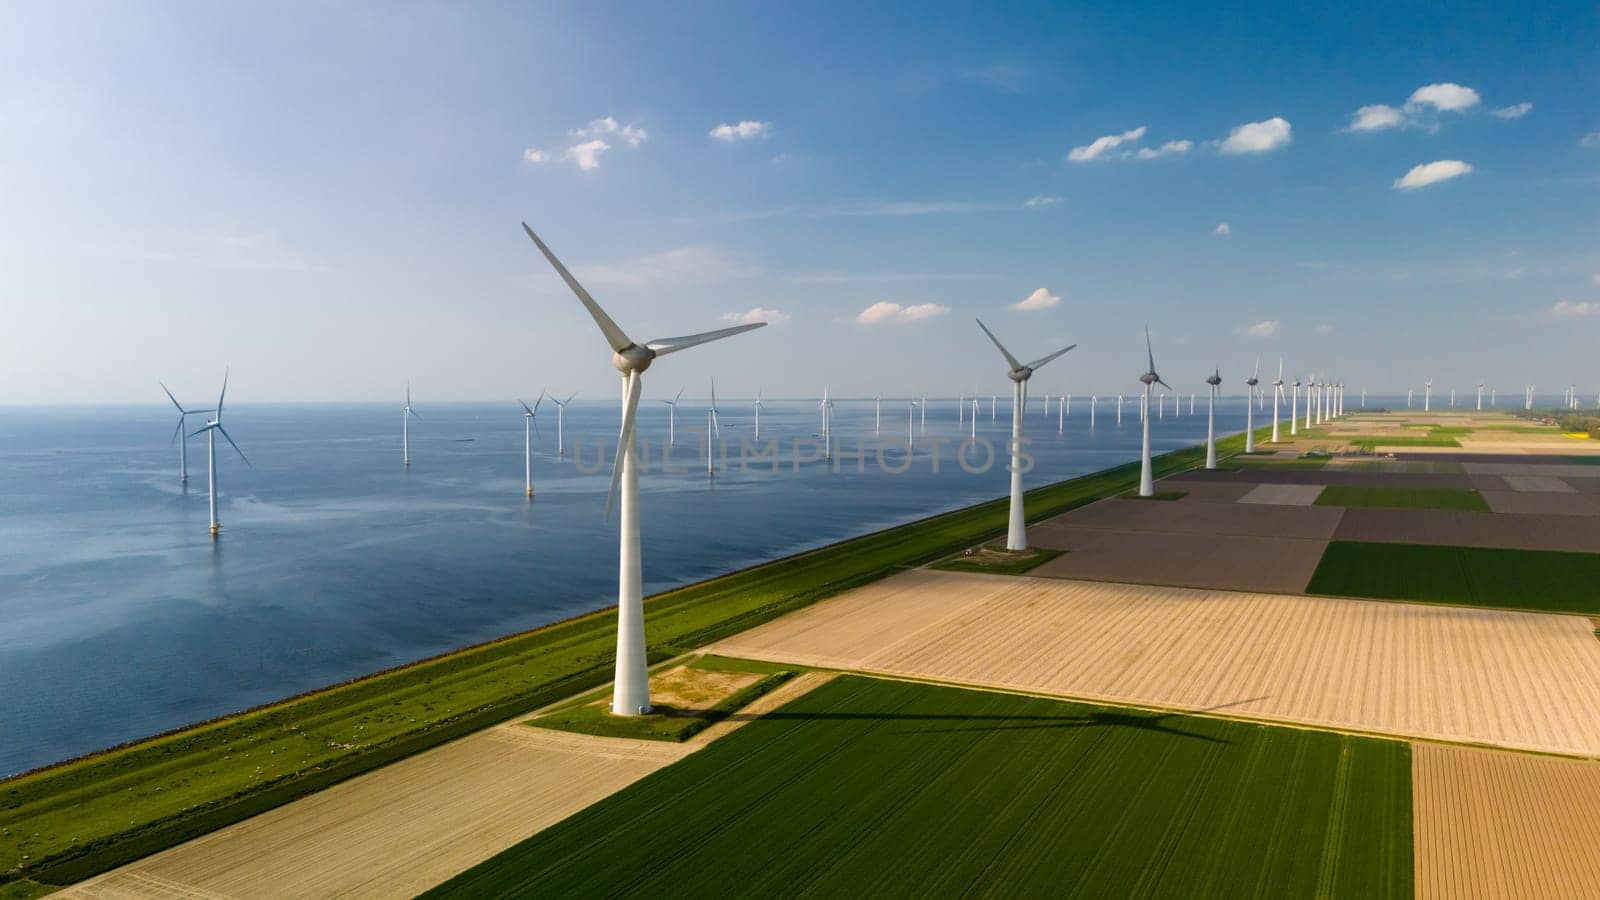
326	197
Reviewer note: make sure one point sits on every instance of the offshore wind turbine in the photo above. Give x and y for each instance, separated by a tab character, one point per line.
713	428
1119	409
631	690
530	421
211	429
826	407
406	412
1211	419
1147	485
179	436
1249	407
1094	400
877	427
1277	399
561	421
1016	531
758	406
672	418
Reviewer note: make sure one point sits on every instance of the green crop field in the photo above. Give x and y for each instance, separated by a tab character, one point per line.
1546	580
873	788
75	820
998	561
1402	498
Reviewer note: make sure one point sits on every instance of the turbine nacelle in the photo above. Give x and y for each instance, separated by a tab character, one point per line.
1022	374
1214	379
632	358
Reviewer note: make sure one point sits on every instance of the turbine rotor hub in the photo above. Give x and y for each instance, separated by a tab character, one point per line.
632	359
1022	374
1149	378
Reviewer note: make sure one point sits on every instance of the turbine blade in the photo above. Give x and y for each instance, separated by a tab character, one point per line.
223	394
538	401
224	432
713	395
525	407
1044	359
1164	384
569	398
1149	352
678	397
1257	374
614	335
413	413
663	346
625	438
172	398
1010	360
176	431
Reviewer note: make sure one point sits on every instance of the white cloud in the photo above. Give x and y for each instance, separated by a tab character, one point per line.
1376	118
1566	309
1101	145
1444	97
597	128
1039	299
1258	137
1514	274
885	311
1431	173
1515	111
1040	201
1324	328
743	131
1592	139
757	314
1222	229
535	155
1267	328
684	264
586	154
1168	149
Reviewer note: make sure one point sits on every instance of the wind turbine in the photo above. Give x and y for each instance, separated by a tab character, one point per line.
1427	395
406	412
1277	399
1249	407
183	445
911	418
877	426
631	691
1119	409
529	422
561	421
672	419
1211	419
1094	400
1016	532
826	406
1294	408
713	426
211	429
758	406
1311	388
974	422
1147	485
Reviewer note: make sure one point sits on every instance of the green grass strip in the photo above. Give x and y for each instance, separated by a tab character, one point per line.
1544	580
1016	563
872	788
589	718
78	819
1403	498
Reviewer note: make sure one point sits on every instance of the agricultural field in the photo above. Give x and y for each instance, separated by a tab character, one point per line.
1545	580
867	787
1402	498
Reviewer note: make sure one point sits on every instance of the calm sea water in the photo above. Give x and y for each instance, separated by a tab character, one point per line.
120	617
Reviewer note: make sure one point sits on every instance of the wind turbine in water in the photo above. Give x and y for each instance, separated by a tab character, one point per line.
406	412
1147	484
1211	419
179	436
713	426
758	406
1249	406
631	690
1277	399
211	429
1016	531
530	421
561	419
672	419
826	408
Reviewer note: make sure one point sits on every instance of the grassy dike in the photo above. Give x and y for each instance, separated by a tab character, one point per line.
83	817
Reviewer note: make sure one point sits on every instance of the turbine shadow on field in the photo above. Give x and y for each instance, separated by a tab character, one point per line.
972	723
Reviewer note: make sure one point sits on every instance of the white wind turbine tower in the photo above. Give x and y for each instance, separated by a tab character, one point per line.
826	408
1016	532
1452	398
1119	409
1427	395
406	412
211	429
1249	407
1409	393
1147	485
923	414
992	399
1191	403
561	421
1311	388
672	419
758	406
877	427
974	422
1094	400
530	416
911	424
1480	395
1211	419
179	436
631	691
713	426
1277	399
1294	407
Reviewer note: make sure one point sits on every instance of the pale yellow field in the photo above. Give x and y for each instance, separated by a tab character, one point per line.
1491	824
409	826
1512	679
